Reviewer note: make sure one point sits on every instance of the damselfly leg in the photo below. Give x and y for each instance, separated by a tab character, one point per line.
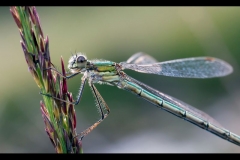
101	104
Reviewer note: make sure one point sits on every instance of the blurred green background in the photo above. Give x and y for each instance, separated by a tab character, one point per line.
115	33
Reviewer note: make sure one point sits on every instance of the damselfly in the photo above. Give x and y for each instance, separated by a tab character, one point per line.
111	73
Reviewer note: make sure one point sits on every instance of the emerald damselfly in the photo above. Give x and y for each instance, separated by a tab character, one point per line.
111	73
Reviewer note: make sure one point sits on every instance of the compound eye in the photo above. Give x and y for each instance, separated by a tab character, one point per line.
81	59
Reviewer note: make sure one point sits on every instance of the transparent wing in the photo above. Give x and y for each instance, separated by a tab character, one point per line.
197	67
141	58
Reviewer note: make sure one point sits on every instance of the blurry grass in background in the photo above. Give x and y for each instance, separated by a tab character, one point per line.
115	33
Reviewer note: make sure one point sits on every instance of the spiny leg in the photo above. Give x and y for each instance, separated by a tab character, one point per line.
84	78
101	105
66	77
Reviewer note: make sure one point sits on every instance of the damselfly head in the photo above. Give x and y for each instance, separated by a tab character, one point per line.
77	63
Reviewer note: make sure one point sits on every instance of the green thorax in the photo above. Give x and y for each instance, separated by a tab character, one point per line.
101	66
